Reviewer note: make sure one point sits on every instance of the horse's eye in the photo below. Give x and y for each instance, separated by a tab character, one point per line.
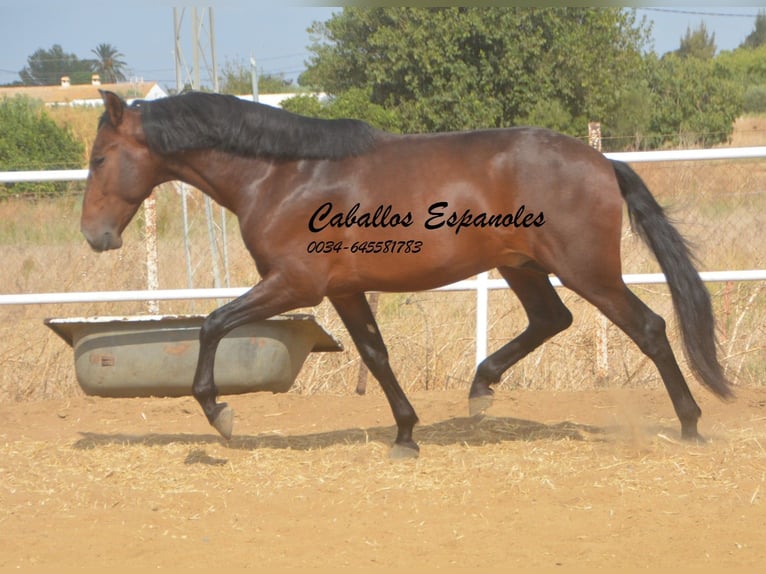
97	161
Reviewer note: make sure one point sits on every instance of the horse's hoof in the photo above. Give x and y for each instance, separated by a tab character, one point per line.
477	406
224	422
693	437
403	452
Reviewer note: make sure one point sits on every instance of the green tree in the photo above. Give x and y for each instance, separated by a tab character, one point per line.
697	44
460	68
747	67
700	99
754	100
633	120
31	140
109	64
757	37
237	79
46	67
274	84
353	103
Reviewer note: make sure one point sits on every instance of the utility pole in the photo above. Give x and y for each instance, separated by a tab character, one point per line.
177	54
202	49
201	55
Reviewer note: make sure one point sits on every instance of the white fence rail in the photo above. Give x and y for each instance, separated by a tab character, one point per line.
46	175
482	284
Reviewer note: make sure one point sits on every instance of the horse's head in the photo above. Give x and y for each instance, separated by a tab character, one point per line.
123	172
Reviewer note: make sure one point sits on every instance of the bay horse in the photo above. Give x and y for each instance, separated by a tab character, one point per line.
336	208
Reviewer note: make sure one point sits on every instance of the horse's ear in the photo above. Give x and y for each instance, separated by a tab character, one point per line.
114	105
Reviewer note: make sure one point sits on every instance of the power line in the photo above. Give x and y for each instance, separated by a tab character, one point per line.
699	13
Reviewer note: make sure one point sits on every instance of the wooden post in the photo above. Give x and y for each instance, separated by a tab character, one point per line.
594	135
150	239
726	307
602	354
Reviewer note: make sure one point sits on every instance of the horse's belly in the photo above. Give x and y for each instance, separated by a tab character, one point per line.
417	271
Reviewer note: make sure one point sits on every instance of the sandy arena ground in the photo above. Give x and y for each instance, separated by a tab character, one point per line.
596	478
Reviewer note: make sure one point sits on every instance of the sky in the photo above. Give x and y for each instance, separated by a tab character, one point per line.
275	34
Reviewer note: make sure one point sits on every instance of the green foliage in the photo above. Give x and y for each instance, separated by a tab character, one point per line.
632	122
109	65
237	79
308	105
273	84
46	67
699	101
754	100
353	103
697	44
30	140
757	37
461	68
746	65
549	114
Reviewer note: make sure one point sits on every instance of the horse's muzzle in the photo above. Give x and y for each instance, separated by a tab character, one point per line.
104	241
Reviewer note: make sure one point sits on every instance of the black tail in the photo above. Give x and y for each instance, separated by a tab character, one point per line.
690	297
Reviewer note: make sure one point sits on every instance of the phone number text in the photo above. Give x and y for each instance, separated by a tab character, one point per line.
365	247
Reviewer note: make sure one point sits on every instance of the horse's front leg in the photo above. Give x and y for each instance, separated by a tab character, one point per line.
360	322
270	297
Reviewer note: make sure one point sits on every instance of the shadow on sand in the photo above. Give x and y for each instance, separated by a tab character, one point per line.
471	431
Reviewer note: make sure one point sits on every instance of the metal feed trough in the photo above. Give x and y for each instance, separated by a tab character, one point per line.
156	355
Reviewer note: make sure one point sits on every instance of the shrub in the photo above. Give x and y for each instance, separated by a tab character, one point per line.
31	140
754	100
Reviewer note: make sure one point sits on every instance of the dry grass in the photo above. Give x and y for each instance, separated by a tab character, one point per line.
749	130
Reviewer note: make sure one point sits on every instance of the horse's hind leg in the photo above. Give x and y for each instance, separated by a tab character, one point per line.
361	325
647	330
547	316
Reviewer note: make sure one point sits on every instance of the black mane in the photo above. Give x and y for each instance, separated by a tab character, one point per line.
197	120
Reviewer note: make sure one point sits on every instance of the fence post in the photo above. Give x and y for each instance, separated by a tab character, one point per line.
594	135
184	190
150	239
602	325
482	308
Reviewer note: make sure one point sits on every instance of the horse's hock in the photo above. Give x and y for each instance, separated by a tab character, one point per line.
156	355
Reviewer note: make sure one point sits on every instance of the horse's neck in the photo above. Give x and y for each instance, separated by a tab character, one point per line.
220	176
